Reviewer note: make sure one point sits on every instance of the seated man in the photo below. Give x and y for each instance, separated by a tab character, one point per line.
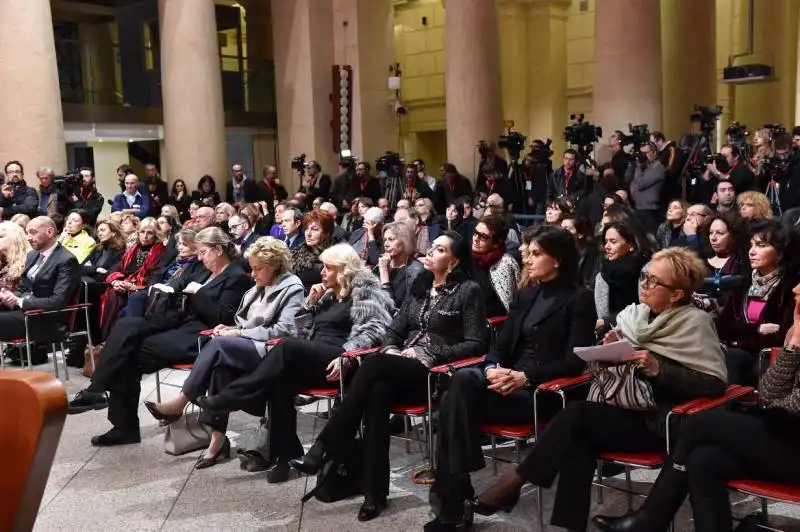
49	282
132	199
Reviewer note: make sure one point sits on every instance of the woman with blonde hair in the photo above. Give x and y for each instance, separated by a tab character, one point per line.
21	220
397	268
129	224
346	311
222	213
754	206
762	142
13	254
267	311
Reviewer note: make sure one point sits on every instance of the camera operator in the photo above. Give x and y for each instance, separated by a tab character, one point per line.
342	184
731	167
314	183
365	184
17	196
51	200
569	182
671	158
490	155
423	174
535	170
620	160
87	198
786	172
645	176
452	186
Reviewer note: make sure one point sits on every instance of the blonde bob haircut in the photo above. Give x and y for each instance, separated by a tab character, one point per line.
347	263
760	203
403	233
271	252
15	256
151	222
688	270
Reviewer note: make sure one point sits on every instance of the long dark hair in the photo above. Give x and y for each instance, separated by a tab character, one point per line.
559	244
461	249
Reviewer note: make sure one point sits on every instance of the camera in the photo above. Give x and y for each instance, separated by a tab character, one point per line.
737	133
580	133
774	129
775	166
639	134
69	183
390	164
299	164
540	151
706	117
513	142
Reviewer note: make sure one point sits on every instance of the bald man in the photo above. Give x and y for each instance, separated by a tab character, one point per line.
49	282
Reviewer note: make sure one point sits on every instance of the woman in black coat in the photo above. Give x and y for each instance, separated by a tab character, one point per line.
137	345
545	323
443	320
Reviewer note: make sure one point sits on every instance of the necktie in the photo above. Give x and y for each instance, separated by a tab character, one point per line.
36	267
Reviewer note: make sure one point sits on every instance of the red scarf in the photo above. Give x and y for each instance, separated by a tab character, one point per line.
139	277
567	177
410	187
490	258
363	185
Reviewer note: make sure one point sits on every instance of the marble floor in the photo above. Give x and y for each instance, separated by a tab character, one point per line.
140	488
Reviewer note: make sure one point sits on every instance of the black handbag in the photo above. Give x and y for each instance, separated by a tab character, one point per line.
165	310
340	478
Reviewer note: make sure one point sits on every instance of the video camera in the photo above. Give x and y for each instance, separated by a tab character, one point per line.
639	134
390	164
513	142
68	184
706	117
775	166
299	164
737	133
580	133
774	129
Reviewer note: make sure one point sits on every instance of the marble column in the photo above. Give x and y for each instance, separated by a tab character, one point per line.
627	71
472	70
688	43
33	124
194	120
303	49
363	37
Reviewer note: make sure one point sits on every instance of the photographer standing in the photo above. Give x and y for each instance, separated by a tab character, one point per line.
620	160
365	185
731	167
786	173
671	158
314	183
535	171
646	179
343	183
568	183
452	186
17	196
51	200
87	198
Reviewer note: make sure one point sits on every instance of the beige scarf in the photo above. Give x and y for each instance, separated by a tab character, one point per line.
683	334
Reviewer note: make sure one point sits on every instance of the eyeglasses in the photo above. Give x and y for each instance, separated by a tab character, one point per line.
234	226
482	237
649	282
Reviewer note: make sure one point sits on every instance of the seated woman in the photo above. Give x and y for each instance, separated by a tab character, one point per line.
729	265
206	192
185	263
267	311
347	311
222	213
754	206
428	225
492	268
367	239
671	230
617	284
546	322
455	220
14	250
397	267
136	271
169	227
138	345
443	320
194	205
678	358
588	250
318	231
556	211
718	446
758	313
129	224
75	238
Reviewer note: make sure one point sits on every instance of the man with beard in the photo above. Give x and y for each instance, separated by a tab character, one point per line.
17	196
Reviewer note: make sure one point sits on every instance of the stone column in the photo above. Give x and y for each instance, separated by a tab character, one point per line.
363	36
33	124
627	77
194	120
513	38
303	48
688	43
547	70
472	69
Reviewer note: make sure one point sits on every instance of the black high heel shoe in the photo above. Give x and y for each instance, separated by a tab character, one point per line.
371	509
481	508
224	452
156	413
311	462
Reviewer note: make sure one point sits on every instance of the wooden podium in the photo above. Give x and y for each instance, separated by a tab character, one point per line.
33	406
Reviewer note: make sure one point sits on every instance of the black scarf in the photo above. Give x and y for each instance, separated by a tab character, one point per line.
622	277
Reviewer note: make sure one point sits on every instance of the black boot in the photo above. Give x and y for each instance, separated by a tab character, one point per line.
454	513
658	511
711	513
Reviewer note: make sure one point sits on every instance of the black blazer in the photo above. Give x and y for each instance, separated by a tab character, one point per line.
105	257
55	283
249	191
216	302
563	322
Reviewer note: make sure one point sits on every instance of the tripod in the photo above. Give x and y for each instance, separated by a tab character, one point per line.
394	190
773	195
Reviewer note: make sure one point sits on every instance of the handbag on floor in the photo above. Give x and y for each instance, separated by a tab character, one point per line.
186	435
339	478
91	353
620	386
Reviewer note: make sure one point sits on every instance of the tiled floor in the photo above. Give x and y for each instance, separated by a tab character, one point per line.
140	488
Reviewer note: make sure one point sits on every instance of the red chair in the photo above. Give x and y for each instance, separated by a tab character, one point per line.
19	343
180	367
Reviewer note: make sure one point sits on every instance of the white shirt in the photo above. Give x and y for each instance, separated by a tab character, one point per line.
38	265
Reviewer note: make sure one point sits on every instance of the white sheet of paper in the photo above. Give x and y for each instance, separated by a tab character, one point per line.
192	288
612	352
162	288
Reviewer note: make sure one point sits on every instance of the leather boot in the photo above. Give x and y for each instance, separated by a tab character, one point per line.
711	514
658	511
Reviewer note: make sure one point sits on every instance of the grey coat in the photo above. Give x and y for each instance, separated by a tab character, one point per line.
272	314
646	184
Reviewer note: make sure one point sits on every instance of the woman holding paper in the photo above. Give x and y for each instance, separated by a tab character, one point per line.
546	321
678	358
136	346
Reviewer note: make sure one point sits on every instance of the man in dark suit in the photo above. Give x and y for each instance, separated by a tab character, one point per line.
568	183
49	282
292	224
241	189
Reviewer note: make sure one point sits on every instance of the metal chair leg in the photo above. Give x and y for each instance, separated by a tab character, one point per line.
599	482
64	360
494	454
158	387
28	345
764	510
3	355
405	432
629	487
540	506
55	358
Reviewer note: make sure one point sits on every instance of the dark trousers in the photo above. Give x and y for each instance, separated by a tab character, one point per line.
137	304
134	347
569	448
742	367
220	362
382	381
719	446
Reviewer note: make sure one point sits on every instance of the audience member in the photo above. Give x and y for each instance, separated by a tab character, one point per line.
306	264
75	238
180	198
729	265
754	206
588	250
16	197
494	270
206	192
368	240
292	225
397	267
87	198
21	220
14	250
132	200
